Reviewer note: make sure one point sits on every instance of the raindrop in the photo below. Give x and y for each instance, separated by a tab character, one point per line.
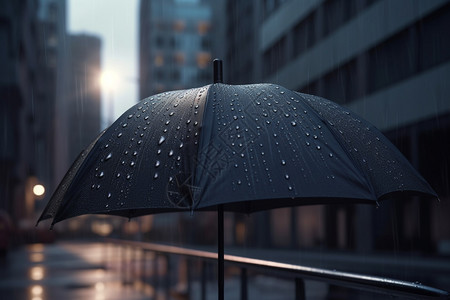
167	122
239	182
128	177
108	156
119	134
157	163
158	152
293	123
318	147
331	154
283	162
132	164
155	176
135	153
235	117
171	114
101	174
161	140
118	175
130	116
124	125
290	188
170	153
307	144
188	121
286	176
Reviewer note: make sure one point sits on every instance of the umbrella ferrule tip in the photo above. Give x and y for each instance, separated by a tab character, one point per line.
218	71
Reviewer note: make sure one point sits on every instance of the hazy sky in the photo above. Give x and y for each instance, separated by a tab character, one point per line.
116	23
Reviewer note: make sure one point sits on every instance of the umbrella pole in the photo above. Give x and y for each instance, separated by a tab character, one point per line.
220	252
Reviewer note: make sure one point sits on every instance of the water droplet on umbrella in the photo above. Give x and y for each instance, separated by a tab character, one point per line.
119	134
188	121
157	163
331	154
167	122
108	156
307	144
235	117
130	116
106	146
170	153
171	114
315	137
109	196
283	162
318	147
132	164
101	174
124	125
128	177
239	182
161	140
155	176
286	176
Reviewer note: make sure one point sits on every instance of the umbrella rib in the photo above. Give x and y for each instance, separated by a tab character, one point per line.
331	130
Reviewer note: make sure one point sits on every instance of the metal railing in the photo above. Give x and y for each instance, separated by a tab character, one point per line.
143	256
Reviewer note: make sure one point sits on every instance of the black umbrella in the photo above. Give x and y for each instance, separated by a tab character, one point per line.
239	148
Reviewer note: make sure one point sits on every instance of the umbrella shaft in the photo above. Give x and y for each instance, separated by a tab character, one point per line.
220	251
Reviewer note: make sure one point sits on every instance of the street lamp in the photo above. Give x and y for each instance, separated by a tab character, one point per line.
38	190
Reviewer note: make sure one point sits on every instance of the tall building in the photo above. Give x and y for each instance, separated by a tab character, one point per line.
32	35
174	45
388	61
83	95
18	91
51	52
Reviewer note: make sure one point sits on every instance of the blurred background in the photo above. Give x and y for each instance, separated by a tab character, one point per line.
70	68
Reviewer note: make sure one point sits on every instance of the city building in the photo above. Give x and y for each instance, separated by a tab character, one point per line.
18	90
174	45
389	61
83	95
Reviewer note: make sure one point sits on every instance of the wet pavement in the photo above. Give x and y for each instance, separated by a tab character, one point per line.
62	271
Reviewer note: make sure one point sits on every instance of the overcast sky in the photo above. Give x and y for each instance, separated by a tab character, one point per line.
116	23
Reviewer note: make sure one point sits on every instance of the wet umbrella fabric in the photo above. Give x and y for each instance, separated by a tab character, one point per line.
249	148
235	148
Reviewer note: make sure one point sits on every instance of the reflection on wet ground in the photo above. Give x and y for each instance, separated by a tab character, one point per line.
62	271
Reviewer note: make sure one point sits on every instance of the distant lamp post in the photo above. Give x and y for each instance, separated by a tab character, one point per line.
109	81
38	190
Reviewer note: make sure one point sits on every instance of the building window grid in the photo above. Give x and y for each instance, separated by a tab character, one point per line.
415	49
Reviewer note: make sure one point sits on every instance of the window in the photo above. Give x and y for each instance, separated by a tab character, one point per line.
203	59
304	34
393	60
275	57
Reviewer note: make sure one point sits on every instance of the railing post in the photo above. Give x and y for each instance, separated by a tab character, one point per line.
168	275
244	288
155	272
299	289
203	284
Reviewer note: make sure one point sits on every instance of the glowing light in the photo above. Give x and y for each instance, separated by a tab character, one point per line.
38	190
37	273
109	79
37	290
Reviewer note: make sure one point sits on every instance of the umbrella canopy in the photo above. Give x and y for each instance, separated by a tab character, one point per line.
241	148
247	147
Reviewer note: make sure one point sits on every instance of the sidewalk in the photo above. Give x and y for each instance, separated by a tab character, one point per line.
62	271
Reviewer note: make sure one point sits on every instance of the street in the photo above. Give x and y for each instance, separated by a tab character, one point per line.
62	271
